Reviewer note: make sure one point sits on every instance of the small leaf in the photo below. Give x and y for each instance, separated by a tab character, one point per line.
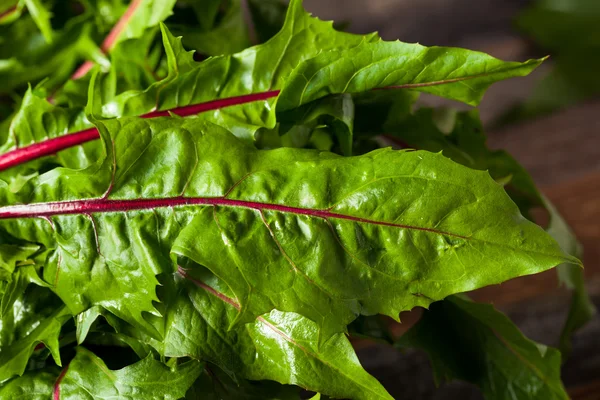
24	328
88	375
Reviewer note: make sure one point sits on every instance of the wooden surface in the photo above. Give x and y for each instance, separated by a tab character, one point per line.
561	151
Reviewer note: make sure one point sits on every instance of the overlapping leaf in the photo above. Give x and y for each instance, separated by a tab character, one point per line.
465	143
225	35
87	376
31	315
28	58
336	237
475	343
304	43
214	384
325	124
278	346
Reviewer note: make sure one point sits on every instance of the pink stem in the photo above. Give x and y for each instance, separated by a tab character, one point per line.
9	160
46	148
209	289
56	390
36	210
54	145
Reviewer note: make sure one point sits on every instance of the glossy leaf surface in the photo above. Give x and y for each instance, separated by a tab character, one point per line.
35	316
87	376
249	82
465	142
338	237
278	346
457	74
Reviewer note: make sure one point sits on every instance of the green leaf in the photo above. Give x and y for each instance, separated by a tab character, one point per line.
228	37
456	74
38	120
14	286
87	374
36	317
36	385
214	384
131	65
278	346
41	16
268	17
332	116
582	309
478	344
29	58
11	255
465	144
395	229
144	14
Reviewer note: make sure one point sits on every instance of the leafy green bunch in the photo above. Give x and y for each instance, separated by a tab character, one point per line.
183	226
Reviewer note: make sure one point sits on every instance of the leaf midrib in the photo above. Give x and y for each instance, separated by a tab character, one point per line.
94	206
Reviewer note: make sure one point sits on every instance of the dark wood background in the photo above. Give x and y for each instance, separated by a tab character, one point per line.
561	151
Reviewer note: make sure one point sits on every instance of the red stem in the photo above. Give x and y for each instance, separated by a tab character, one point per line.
54	145
31	152
56	390
87	207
